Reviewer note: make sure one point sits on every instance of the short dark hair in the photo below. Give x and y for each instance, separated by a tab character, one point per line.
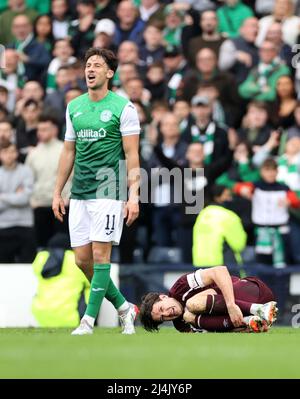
87	2
258	104
7	121
109	56
269	163
156	24
157	64
64	68
49	117
3	89
145	311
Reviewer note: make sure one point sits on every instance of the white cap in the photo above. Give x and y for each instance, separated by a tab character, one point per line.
105	25
200	100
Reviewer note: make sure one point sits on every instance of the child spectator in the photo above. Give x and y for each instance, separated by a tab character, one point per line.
152	50
155	81
63	56
270	203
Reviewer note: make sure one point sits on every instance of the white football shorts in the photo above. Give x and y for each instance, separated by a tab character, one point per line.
95	220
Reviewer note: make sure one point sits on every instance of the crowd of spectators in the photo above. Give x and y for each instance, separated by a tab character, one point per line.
216	85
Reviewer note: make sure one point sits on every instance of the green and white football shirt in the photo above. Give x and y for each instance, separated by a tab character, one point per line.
98	127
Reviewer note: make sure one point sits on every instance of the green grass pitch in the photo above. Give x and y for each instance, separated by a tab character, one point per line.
53	353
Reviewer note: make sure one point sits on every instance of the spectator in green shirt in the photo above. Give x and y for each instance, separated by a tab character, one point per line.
42	7
231	17
241	169
16	7
261	82
174	21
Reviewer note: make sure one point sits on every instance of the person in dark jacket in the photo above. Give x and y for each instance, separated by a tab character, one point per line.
209	37
82	30
195	189
238	55
217	149
166	212
207	72
33	57
256	129
129	25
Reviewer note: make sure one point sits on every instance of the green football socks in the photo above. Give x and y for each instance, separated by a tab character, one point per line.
99	285
114	296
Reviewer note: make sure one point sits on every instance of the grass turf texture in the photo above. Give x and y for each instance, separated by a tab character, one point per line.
53	353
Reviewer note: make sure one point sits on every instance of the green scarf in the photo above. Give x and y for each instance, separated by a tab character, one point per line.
289	173
207	139
269	242
20	46
264	71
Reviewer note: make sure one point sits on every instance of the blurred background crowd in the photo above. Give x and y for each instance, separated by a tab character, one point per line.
216	85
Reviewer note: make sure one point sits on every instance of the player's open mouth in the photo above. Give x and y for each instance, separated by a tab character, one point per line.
91	78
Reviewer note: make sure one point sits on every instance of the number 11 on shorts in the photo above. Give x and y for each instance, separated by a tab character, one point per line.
110	222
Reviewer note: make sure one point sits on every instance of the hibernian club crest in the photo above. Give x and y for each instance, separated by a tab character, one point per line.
105	115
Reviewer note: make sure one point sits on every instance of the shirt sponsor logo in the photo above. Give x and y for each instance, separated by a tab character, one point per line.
106	115
91	135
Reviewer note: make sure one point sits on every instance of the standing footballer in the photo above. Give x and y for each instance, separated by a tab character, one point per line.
102	130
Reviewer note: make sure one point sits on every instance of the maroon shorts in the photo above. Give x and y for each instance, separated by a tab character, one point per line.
252	289
265	293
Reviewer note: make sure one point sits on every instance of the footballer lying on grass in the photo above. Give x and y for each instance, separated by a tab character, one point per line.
211	300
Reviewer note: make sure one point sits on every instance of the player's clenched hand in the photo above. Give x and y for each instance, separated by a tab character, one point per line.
236	315
58	207
131	212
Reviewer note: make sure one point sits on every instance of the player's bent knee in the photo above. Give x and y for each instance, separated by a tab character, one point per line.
196	306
